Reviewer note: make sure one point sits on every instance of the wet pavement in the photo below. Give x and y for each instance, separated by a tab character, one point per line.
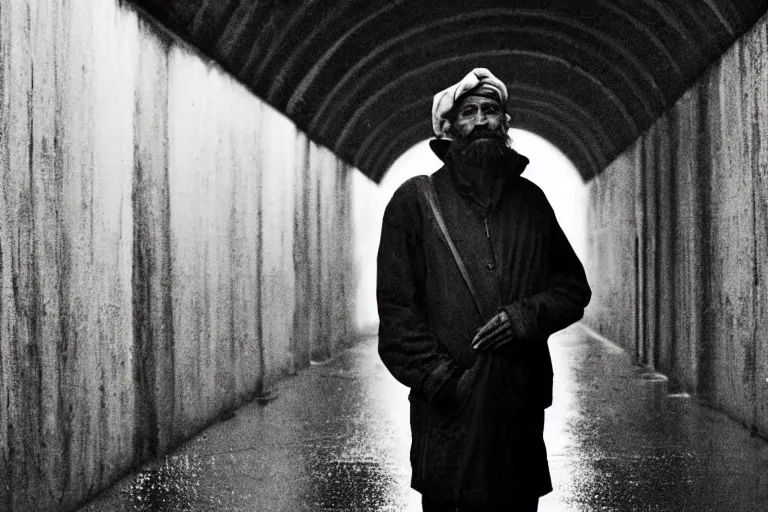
337	439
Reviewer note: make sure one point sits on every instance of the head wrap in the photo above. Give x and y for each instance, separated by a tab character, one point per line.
479	82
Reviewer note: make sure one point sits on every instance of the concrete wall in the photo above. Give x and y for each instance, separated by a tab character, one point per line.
169	247
678	229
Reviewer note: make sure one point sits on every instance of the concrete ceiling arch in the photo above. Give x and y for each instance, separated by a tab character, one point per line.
358	75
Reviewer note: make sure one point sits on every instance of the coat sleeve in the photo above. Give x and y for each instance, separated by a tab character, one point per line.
564	298
407	347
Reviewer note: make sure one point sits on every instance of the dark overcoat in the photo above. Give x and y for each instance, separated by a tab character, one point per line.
488	448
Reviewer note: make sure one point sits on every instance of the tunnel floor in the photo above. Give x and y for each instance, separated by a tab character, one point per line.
337	439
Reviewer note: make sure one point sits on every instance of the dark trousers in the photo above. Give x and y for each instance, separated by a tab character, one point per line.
520	505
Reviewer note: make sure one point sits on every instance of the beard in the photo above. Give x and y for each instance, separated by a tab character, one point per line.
482	147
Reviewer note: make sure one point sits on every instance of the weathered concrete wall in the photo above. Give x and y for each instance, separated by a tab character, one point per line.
169	247
66	242
611	222
694	300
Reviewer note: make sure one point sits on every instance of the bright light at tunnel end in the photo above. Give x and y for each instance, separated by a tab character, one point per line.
550	169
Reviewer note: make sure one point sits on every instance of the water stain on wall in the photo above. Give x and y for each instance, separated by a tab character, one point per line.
151	221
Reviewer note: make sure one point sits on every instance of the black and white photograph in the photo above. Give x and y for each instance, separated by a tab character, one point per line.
383	256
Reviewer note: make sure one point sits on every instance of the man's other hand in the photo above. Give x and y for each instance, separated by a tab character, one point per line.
453	394
495	333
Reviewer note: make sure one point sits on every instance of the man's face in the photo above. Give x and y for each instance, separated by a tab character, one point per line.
480	131
478	112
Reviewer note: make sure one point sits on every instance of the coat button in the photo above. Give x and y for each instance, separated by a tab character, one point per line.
490	266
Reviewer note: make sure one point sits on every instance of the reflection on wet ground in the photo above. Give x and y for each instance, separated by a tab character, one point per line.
337	439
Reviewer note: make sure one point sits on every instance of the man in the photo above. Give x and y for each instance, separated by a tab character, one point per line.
478	367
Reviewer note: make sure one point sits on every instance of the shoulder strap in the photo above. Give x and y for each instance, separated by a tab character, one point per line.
427	188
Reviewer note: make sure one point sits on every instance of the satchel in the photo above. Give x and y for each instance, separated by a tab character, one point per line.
427	189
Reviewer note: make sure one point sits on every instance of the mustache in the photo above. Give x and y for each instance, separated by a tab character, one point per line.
482	146
482	132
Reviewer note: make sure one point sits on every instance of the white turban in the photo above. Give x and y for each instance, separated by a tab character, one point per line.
480	79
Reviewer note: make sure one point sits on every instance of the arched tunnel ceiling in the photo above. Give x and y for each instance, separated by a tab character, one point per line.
358	76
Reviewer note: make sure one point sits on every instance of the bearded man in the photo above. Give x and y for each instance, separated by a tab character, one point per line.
468	292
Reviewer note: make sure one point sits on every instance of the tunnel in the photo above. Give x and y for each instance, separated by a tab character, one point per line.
183	182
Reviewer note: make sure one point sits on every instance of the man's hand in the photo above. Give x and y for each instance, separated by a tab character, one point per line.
453	394
495	333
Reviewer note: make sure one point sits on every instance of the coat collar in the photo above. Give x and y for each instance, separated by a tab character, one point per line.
483	188
514	160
